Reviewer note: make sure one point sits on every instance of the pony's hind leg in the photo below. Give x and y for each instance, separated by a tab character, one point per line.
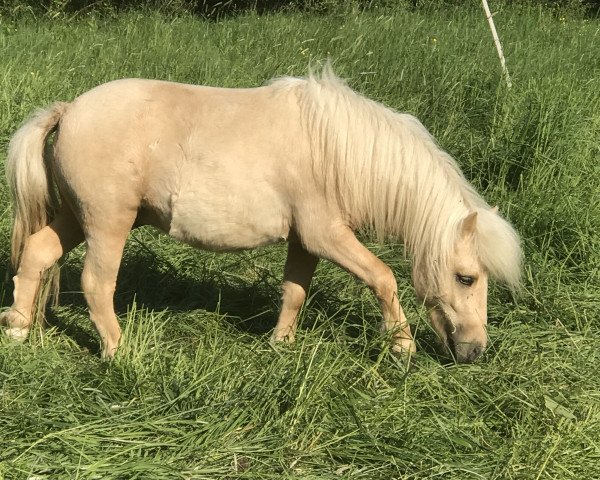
340	246
41	251
105	246
299	269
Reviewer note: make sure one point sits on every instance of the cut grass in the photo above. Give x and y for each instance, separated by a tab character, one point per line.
198	393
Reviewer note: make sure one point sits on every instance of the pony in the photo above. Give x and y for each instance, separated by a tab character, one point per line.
303	160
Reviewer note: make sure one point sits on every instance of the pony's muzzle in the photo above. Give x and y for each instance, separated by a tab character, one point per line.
466	352
464	343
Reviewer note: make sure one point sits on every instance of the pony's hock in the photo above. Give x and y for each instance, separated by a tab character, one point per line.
309	160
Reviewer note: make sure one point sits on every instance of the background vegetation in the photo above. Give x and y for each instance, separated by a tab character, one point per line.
219	8
197	392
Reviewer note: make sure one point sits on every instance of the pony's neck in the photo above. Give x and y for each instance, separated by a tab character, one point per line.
385	171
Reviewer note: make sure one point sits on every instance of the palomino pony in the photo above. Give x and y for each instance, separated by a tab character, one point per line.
303	160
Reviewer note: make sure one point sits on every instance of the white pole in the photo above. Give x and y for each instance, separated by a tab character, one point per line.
488	14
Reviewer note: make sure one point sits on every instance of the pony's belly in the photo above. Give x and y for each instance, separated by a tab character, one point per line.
222	224
226	240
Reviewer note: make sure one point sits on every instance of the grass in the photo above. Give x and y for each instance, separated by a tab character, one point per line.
197	393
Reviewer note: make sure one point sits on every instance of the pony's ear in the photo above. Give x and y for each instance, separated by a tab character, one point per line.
494	210
469	224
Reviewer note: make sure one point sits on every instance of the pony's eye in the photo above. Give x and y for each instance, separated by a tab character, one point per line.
465	280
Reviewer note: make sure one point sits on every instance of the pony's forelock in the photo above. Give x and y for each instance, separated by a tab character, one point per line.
499	248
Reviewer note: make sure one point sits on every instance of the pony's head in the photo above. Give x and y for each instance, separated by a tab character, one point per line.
455	292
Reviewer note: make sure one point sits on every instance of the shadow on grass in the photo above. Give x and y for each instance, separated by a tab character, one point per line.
249	306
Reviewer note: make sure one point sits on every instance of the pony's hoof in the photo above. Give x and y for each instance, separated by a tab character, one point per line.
405	348
281	338
406	352
12	318
109	352
17	334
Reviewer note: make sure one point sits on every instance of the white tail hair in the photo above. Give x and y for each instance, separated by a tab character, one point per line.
386	172
30	180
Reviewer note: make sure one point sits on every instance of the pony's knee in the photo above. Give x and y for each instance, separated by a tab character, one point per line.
385	286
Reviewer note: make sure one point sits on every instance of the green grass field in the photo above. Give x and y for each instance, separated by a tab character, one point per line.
198	393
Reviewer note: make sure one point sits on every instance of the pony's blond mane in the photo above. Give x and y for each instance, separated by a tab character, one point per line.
386	172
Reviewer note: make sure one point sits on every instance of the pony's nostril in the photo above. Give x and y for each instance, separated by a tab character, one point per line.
468	352
476	351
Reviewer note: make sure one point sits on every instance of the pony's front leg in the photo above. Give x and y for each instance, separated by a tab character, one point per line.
341	246
41	251
299	269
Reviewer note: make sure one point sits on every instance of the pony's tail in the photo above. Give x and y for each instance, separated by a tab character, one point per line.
29	175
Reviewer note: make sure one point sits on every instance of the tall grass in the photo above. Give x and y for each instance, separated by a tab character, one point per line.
198	393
